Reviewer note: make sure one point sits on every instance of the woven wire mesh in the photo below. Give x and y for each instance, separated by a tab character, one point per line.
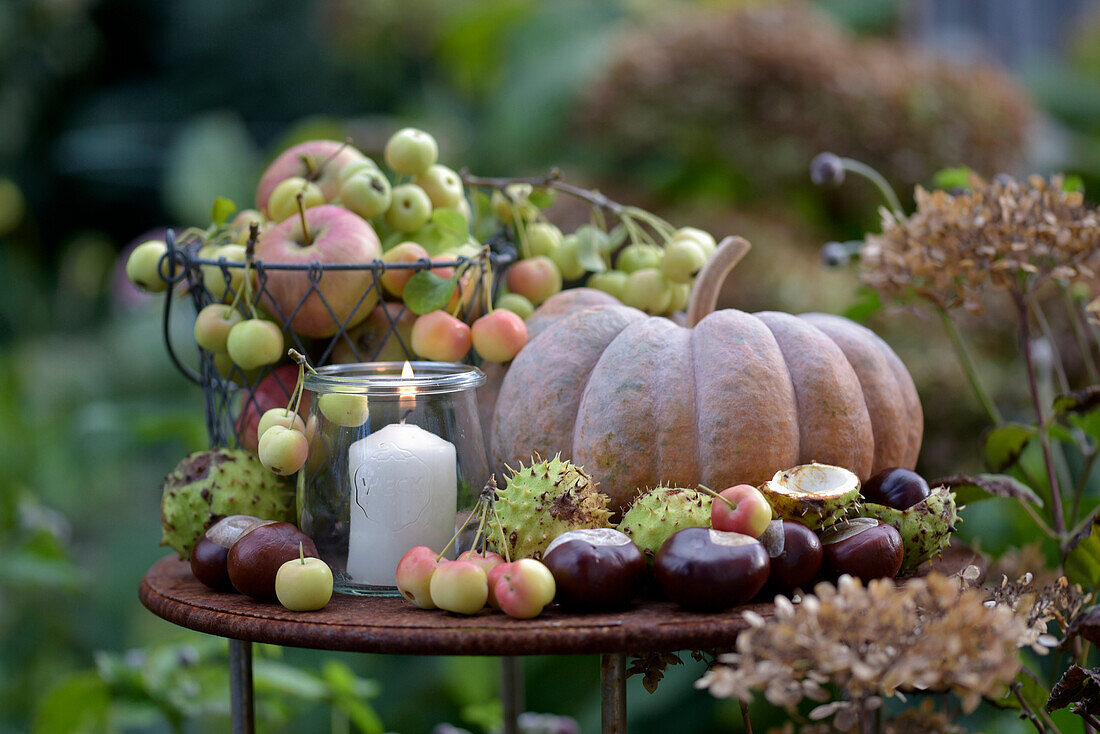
236	398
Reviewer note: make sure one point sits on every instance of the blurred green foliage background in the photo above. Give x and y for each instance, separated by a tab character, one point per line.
122	116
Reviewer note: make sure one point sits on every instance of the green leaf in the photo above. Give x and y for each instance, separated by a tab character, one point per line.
1004	444
1083	556
286	680
1078	401
867	305
589	241
543	198
77	704
221	210
426	292
1073	182
969	489
952	178
451	223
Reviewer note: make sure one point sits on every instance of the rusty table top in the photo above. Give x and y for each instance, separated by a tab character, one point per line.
394	626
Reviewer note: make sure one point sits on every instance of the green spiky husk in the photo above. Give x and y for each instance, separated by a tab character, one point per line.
210	484
542	501
925	528
812	509
657	513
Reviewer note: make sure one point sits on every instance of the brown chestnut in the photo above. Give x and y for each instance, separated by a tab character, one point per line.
862	547
254	560
710	570
210	554
799	561
896	487
595	568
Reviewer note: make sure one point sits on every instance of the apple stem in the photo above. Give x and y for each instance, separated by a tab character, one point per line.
716	495
301	553
302	214
453	538
249	254
487	279
500	529
315	171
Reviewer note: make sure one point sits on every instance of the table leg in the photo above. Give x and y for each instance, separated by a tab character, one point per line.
240	687
511	692
613	693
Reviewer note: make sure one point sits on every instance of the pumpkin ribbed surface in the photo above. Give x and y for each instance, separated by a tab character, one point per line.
639	401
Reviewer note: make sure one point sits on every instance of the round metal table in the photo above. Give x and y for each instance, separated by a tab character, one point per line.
393	626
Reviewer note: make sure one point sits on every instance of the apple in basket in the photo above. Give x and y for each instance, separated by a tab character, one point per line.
317	161
328	235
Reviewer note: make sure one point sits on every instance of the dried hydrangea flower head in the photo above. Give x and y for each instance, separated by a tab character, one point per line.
1002	234
872	642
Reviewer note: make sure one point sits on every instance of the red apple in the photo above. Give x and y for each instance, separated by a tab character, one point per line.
440	337
273	391
332	235
414	575
498	336
523	588
319	161
750	515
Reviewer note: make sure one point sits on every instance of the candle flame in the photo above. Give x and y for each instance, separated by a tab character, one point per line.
406	391
407	371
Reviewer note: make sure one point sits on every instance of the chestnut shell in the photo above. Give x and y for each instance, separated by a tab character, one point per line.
701	574
864	548
209	564
254	560
592	576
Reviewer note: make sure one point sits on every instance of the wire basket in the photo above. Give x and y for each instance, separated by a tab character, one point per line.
235	398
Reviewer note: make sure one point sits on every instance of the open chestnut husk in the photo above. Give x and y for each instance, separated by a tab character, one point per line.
862	547
710	570
595	568
209	557
254	560
799	561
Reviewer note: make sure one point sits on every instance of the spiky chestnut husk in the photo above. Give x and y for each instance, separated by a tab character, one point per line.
816	495
925	528
657	513
544	500
208	485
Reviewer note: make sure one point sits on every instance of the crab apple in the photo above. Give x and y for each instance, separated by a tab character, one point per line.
143	267
273	391
517	304
304	584
536	279
242	222
442	185
543	238
344	409
283	202
648	290
750	515
319	161
703	239
639	256
332	236
255	559
410	152
353	167
394	281
367	193
459	586
414	575
514	202
567	259
222	281
410	208
440	337
385	336
499	336
253	343
280	417
213	324
523	588
283	450
679	295
486	559
683	260
611	282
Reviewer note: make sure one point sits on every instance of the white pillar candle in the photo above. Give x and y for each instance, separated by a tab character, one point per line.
404	489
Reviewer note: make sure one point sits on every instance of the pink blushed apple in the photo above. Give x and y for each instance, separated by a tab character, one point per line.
414	575
440	337
332	235
318	161
459	586
536	278
523	588
486	559
750	515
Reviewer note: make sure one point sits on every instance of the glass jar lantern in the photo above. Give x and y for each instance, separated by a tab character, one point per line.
396	459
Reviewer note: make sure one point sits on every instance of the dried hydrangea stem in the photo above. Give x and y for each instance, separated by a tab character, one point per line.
1056	510
745	716
1025	707
1079	325
1048	334
967	364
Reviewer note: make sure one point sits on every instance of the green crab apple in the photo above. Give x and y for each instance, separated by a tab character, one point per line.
648	290
410	208
319	161
280	417
272	392
459	586
543	238
344	409
499	336
353	167
639	256
514	202
283	450
223	282
253	343
303	584
283	202
567	258
611	282
367	193
213	324
332	235
442	185
143	267
410	152
683	260
440	337
703	239
536	279
517	304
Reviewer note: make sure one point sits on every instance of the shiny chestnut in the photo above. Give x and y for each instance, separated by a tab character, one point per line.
210	555
862	547
800	560
710	570
595	568
895	487
254	560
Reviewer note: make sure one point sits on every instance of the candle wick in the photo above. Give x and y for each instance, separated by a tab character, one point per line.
406	415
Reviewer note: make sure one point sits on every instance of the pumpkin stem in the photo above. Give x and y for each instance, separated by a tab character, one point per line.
704	295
